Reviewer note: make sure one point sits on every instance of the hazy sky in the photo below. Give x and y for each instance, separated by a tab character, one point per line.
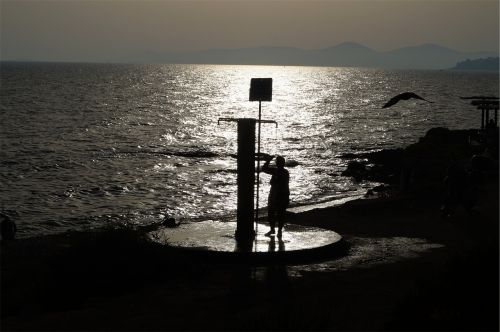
106	30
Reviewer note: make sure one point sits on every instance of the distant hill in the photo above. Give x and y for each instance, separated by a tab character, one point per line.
486	64
349	54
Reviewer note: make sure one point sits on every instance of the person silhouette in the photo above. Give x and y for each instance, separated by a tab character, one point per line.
279	195
491	124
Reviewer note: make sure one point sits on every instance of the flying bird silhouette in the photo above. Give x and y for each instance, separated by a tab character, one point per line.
403	96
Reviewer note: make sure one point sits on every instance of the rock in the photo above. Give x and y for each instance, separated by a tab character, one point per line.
425	163
355	169
386	156
437	135
170	222
380	188
291	163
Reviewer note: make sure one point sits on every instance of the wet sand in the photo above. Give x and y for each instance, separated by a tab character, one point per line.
406	269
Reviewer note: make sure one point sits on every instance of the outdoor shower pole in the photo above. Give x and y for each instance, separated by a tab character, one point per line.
245	212
261	89
258	173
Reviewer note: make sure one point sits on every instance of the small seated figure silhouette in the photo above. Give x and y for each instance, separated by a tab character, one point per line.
279	195
8	227
491	124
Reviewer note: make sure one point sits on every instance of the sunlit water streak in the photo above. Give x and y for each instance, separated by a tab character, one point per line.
85	145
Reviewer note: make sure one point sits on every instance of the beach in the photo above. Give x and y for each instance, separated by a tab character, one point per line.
407	268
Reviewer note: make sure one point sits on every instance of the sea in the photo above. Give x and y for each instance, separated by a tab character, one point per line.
86	146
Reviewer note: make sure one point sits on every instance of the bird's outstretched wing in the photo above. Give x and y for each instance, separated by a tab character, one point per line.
391	102
403	96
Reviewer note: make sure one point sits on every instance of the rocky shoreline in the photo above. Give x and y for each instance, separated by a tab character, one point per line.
426	163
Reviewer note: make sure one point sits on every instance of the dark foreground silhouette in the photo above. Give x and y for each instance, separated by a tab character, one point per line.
116	280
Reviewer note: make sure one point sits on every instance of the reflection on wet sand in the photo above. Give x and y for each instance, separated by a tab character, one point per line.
219	236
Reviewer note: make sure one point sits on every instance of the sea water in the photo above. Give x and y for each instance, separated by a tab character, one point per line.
89	145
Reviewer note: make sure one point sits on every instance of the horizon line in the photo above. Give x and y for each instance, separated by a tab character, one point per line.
323	48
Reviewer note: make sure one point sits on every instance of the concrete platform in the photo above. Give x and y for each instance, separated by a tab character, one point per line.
215	239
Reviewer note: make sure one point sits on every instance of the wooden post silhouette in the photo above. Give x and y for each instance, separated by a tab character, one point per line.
245	232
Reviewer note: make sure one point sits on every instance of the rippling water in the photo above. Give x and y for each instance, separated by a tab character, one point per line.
84	145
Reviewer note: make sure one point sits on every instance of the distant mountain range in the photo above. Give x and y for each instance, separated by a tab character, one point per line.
349	54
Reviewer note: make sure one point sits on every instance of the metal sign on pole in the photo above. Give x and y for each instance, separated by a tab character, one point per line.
261	89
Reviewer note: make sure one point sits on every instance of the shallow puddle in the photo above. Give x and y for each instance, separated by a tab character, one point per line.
213	235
